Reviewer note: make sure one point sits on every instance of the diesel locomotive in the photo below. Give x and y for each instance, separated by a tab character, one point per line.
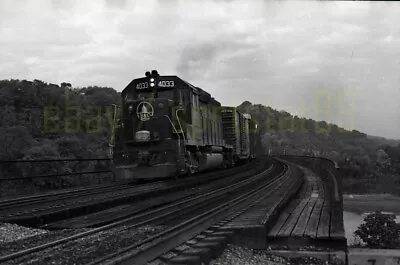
169	127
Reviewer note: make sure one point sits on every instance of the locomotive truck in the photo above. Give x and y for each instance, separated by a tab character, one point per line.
169	127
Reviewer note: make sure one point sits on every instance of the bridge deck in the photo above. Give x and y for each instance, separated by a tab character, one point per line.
313	214
251	226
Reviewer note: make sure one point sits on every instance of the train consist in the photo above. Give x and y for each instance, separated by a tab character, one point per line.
169	127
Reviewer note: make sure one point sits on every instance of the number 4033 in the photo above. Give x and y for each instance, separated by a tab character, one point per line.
166	84
160	84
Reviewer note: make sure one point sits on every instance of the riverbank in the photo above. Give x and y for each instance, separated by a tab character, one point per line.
367	203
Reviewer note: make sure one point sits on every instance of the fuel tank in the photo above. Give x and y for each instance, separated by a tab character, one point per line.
216	149
131	172
209	161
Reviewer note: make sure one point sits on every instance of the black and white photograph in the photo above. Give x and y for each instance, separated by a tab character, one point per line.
199	132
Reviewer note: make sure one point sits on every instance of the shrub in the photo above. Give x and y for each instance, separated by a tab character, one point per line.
379	230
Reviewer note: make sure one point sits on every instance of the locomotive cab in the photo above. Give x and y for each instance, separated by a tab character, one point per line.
151	131
170	128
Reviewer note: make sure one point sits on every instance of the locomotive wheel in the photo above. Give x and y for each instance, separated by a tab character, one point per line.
191	170
191	165
224	165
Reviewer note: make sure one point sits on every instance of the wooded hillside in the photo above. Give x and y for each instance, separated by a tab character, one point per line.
369	163
47	121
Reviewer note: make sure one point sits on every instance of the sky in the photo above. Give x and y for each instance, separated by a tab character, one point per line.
333	61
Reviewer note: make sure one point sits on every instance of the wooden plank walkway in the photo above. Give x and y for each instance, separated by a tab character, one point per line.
312	214
250	227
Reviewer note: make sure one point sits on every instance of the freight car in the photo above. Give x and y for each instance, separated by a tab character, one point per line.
253	139
236	133
168	127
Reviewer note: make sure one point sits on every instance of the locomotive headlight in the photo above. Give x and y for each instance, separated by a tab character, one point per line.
130	108
152	80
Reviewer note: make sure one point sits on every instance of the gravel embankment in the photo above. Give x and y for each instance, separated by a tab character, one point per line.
21	238
79	251
14	238
13	232
234	255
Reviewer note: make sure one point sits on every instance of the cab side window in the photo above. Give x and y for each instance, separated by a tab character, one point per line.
195	100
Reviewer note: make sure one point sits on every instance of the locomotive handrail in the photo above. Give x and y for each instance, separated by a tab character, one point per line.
183	134
179	138
179	122
169	119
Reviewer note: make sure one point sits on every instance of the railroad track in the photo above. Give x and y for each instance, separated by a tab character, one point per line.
194	214
151	248
41	210
20	205
7	203
35	211
123	211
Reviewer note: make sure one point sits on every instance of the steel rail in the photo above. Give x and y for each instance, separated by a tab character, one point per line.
152	247
118	223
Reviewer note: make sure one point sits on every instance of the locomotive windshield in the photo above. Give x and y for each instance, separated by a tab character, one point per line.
144	94
168	94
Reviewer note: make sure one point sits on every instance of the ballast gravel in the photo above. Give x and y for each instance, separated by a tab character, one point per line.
79	251
235	255
13	232
14	238
238	255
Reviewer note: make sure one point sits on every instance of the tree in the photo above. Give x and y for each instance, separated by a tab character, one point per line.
383	159
379	230
64	84
15	140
